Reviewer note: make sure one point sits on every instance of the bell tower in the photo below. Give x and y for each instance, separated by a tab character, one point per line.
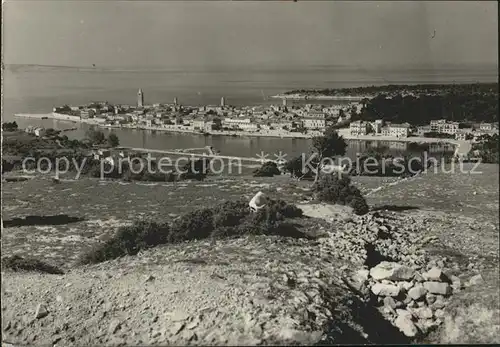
140	98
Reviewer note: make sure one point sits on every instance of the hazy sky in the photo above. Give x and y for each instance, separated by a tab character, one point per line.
220	33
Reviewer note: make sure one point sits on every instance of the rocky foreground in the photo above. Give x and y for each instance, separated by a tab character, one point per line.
362	279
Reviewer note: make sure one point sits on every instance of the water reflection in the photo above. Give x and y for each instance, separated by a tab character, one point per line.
234	146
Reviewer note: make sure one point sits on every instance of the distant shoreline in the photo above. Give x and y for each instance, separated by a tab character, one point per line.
461	147
321	97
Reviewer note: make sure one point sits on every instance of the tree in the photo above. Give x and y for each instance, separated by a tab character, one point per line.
95	137
268	169
329	145
10	126
113	140
294	167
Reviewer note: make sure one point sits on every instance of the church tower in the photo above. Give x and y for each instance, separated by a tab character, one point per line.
140	98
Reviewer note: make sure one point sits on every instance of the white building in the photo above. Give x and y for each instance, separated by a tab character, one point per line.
359	128
399	130
485	126
240	124
202	125
462	134
315	114
314	123
442	126
377	126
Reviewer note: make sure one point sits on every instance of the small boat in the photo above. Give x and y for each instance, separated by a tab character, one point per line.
45	117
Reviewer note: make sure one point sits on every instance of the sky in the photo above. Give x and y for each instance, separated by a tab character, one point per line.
177	34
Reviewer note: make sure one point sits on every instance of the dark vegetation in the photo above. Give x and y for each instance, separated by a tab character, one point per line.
439	135
327	146
268	169
488	148
455	102
339	190
229	219
41	220
370	164
393	89
296	169
420	110
71	155
9	126
17	263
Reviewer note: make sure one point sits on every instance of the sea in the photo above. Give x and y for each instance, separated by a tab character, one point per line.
37	89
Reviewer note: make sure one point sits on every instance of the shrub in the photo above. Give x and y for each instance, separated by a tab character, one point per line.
113	140
108	171
332	189
230	218
268	169
154	177
196	169
230	213
129	240
295	167
287	210
18	263
359	205
7	126
192	226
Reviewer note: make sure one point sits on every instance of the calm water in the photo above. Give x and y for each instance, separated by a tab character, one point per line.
38	90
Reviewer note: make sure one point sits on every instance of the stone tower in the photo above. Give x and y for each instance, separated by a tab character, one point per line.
140	98
222	102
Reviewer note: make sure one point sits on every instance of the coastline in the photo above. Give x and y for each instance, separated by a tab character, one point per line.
321	97
462	148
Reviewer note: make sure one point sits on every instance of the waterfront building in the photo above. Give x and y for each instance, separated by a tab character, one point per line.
87	113
399	130
443	126
140	98
282	125
464	134
359	127
485	126
377	126
421	130
243	124
202	125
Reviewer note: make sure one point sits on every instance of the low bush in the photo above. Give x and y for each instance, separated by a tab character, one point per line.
17	263
228	219
128	240
335	190
359	205
268	169
193	225
195	169
230	213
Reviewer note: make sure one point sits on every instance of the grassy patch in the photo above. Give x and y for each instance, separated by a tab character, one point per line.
18	263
